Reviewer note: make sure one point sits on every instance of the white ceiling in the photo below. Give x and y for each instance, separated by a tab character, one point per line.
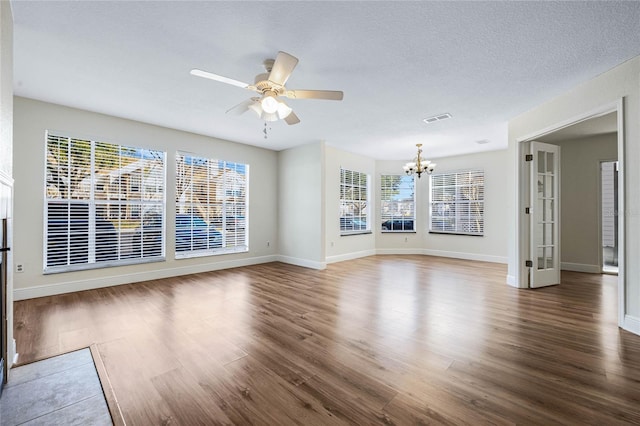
397	63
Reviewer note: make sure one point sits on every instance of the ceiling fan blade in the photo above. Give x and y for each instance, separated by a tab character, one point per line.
242	107
216	77
282	68
332	95
292	118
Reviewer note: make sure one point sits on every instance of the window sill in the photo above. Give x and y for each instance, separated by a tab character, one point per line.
399	231
456	233
214	252
348	234
100	265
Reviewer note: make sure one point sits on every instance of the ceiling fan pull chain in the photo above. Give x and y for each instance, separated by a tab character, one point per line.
265	130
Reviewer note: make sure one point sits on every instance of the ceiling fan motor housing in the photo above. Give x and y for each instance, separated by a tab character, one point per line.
265	86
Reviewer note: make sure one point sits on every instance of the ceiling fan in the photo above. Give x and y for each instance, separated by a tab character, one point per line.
270	86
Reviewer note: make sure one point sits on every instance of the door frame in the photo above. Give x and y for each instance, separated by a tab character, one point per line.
522	182
6	207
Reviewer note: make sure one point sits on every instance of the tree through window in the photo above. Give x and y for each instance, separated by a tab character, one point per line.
354	202
94	215
457	202
397	202
211	206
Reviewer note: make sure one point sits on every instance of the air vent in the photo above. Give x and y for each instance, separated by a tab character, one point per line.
438	117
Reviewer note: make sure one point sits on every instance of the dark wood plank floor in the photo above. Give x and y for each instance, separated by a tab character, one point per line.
379	340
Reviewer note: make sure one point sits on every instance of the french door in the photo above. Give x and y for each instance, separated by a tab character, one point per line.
544	252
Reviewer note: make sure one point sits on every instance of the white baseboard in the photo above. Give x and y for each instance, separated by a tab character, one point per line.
401	251
511	280
426	252
350	256
580	267
632	324
466	256
90	284
313	264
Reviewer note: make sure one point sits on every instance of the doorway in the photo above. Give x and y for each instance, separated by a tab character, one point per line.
612	116
609	215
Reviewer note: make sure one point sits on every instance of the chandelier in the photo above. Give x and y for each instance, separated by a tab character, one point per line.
419	165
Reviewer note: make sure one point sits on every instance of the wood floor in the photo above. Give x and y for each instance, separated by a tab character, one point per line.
380	340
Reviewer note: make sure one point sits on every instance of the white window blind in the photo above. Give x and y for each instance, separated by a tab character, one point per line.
354	202
457	202
397	202
104	204
211	206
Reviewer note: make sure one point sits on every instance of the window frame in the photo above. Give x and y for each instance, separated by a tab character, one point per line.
384	217
227	229
91	202
456	190
355	188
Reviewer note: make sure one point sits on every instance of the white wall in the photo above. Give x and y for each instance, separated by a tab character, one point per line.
491	247
33	118
301	205
309	177
294	202
580	229
621	82
344	247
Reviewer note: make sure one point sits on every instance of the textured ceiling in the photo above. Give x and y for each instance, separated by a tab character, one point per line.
397	63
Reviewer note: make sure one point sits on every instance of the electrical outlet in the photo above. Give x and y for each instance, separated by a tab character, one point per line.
19	267
331	243
406	239
268	244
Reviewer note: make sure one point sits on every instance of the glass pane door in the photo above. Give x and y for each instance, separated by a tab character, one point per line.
544	219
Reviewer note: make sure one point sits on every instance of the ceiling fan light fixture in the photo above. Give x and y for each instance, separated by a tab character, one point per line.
261	113
269	104
283	110
269	116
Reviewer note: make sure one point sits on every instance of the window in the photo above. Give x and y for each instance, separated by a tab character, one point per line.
397	199
354	202
457	202
92	218
211	206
